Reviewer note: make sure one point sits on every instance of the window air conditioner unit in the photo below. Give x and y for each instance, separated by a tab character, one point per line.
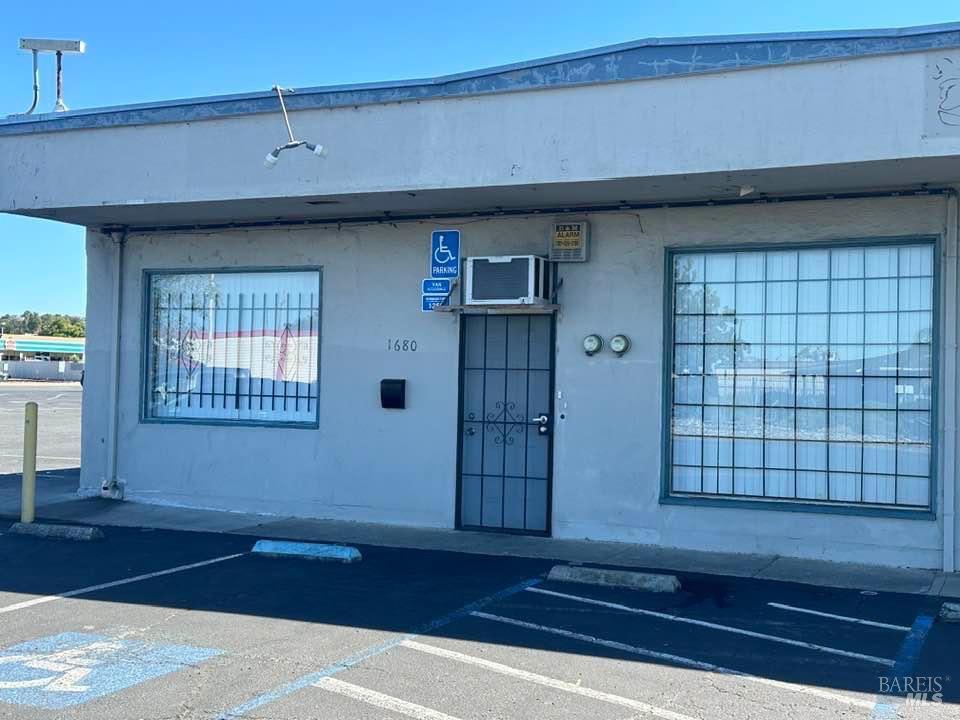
507	280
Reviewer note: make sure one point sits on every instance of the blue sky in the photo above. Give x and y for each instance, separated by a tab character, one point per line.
141	52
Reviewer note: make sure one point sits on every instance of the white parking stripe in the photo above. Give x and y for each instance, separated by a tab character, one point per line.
724	628
115	583
845	618
384	702
547	681
679	660
40	457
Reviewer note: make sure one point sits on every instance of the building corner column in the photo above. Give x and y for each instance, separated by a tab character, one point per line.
949	392
112	487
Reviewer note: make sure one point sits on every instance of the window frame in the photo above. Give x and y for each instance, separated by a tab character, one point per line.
670	497
147	275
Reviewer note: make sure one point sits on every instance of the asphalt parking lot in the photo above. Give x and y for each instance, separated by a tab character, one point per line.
58	441
163	624
58	431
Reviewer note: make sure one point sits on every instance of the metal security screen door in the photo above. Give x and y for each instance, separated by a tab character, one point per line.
506	423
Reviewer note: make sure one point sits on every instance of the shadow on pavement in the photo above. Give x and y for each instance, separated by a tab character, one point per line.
403	590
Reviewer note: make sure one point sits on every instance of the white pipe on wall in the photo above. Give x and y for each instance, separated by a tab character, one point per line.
111	486
951	300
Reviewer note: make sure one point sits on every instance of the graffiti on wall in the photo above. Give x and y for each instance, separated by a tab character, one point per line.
942	107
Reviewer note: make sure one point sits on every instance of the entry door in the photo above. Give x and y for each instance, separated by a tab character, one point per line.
506	423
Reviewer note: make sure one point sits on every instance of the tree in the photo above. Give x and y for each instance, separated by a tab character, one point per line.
33	323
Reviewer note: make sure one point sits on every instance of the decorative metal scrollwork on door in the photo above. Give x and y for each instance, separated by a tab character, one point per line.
504	422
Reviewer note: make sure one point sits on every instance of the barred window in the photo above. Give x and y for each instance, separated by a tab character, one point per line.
231	346
804	375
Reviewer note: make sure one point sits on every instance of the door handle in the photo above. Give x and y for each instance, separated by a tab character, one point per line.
543	423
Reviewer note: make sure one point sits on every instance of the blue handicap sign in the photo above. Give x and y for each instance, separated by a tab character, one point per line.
438	286
429	302
445	254
70	669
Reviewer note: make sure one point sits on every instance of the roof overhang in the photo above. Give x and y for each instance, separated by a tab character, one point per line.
903	177
811	113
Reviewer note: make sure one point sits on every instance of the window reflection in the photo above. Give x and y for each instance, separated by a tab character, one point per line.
805	374
233	346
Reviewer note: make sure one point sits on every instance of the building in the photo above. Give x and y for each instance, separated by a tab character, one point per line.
773	227
41	357
41	347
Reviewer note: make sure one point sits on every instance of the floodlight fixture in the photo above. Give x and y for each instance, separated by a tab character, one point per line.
58	47
54	46
271	159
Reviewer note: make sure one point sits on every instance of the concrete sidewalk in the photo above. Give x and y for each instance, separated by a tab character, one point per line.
22	383
96	511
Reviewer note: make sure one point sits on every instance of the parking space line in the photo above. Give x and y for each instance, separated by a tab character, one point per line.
41	457
716	626
115	583
309	679
678	660
886	704
844	618
546	681
378	699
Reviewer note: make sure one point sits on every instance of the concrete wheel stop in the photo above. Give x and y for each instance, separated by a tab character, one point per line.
630	579
308	551
950	612
57	532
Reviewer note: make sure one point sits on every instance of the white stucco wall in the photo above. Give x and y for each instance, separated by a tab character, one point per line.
368	464
95	430
608	449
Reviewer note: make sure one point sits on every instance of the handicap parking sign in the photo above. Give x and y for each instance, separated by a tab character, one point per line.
445	254
73	668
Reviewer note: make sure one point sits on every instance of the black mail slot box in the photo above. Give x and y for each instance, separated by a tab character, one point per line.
393	394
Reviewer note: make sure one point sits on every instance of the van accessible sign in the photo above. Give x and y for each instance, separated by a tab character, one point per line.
432	286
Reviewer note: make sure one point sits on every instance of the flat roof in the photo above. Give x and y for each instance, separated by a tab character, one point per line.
637	60
41	343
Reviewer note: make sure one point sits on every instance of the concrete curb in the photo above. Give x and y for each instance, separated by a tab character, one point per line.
650	582
308	551
57	532
950	612
23	383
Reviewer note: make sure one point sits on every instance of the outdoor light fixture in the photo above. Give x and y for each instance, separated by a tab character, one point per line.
59	47
619	344
592	344
274	155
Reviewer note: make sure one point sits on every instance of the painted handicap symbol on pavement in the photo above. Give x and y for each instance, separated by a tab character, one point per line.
73	668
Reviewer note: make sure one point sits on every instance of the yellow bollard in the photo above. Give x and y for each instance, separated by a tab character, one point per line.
28	495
